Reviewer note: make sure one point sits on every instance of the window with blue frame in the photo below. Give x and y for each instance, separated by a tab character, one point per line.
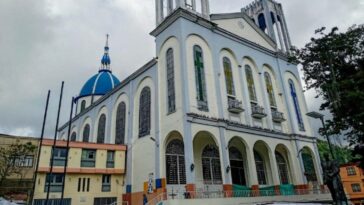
200	79
101	129
144	112
296	105
120	124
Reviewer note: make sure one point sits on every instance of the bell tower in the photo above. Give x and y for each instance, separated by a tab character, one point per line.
269	16
164	8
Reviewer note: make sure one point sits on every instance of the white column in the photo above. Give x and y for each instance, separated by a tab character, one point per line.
159	11
205	8
252	169
193	5
169	6
274	168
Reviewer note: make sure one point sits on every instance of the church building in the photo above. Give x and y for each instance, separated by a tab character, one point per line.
219	111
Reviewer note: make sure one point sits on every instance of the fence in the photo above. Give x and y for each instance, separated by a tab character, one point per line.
230	194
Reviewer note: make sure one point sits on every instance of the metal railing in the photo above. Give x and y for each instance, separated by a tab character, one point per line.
235	105
258	111
232	194
277	116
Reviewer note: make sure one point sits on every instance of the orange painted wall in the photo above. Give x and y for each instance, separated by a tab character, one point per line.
348	180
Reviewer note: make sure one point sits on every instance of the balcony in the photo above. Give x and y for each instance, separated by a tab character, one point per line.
87	163
235	106
277	116
258	111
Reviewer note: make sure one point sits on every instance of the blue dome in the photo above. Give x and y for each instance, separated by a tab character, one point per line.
99	84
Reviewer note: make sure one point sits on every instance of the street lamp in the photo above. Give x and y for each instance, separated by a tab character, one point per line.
320	116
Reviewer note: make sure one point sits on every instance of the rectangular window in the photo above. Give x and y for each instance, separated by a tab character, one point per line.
110	159
351	171
59	156
356	187
106	183
55	182
88	158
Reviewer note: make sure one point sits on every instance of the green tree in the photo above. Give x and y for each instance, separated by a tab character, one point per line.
343	154
333	65
11	156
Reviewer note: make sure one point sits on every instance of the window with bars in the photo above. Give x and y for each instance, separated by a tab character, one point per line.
175	162
211	168
144	112
86	133
237	166
73	136
351	171
120	124
110	159
250	81
200	79
88	158
59	156
229	81
308	165
296	105
261	171
270	90
282	168
356	187
170	81
106	183
83	185
101	129
54	182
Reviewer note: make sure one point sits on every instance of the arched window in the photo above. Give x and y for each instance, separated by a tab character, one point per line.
120	123
86	133
250	81
296	105
170	81
270	90
144	112
73	136
308	165
237	166
229	81
211	165
101	129
282	168
261	21
261	172
175	162
83	105
200	79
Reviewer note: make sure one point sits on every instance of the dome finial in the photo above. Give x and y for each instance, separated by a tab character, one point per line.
105	61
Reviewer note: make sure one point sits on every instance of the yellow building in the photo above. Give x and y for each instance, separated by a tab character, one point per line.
17	186
352	177
94	174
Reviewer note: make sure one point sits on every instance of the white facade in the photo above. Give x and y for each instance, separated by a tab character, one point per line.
233	36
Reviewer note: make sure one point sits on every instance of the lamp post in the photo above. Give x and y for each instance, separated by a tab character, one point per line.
320	116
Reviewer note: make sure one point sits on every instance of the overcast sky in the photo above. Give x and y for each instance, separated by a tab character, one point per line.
43	42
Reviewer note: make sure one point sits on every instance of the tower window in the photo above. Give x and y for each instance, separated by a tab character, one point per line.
73	136
270	91
144	112
200	79
83	105
120	123
250	81
170	81
296	105
229	81
86	133
101	129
